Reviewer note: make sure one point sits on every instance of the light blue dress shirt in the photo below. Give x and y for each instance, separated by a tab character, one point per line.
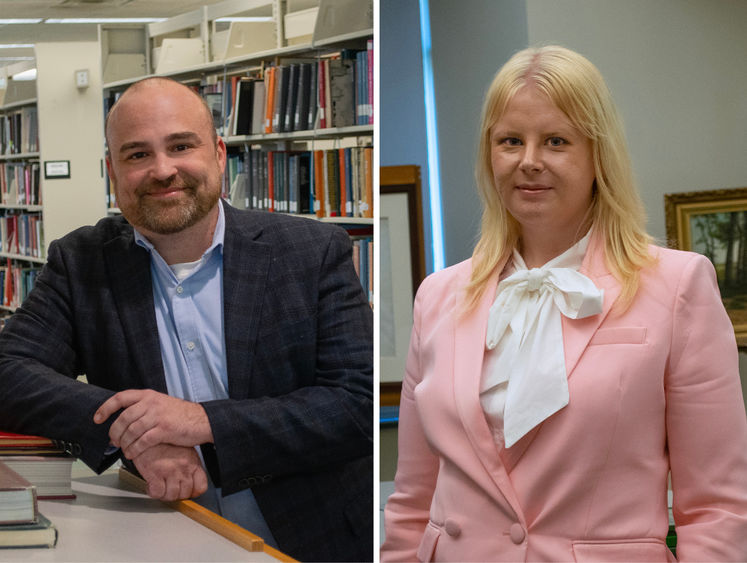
188	302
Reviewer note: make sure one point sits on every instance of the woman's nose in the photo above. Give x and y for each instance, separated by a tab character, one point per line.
531	161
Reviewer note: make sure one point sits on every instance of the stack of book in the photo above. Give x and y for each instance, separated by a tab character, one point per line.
21	523
40	462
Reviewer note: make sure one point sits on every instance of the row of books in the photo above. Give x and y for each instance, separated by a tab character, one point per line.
363	255
19	131
19	183
300	95
327	183
16	282
31	468
22	234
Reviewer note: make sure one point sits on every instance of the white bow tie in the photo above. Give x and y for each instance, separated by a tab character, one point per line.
525	320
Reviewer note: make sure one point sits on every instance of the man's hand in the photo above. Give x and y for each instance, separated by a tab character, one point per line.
172	472
150	418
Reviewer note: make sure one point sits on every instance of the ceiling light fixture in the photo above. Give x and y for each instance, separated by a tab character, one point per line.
103	20
245	19
25	75
16	45
20	21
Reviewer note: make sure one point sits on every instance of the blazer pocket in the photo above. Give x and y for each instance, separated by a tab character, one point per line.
619	335
428	544
614	551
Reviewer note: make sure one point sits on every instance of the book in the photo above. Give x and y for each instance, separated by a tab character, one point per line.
17	498
50	474
38	460
10	439
341	91
258	109
41	533
244	107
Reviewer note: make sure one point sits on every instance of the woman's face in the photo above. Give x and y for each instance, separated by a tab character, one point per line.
542	167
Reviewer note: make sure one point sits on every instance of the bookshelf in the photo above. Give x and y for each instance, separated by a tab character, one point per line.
44	122
292	98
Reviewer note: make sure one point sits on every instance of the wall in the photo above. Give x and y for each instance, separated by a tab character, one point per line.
468	46
676	70
401	109
71	128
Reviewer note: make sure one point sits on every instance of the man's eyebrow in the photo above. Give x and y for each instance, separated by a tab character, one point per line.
132	145
183	136
180	136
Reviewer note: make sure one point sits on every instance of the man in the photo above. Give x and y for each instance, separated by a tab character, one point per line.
243	333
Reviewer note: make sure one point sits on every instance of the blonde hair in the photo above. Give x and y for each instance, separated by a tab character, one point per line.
577	88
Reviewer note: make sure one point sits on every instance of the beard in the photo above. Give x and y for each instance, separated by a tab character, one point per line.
195	201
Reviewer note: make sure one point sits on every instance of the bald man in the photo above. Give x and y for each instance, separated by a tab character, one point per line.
228	353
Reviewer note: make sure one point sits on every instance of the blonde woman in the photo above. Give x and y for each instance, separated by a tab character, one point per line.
556	377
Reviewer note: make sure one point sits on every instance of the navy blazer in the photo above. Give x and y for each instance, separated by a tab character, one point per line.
298	425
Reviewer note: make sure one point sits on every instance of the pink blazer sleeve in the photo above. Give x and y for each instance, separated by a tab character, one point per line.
408	508
706	423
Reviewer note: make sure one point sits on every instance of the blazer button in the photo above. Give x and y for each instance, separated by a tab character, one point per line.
517	533
452	528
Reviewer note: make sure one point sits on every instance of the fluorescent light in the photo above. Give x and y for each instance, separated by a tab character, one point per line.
20	20
245	19
25	75
103	20
431	137
16	45
14	59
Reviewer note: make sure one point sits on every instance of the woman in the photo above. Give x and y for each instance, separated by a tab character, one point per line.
555	378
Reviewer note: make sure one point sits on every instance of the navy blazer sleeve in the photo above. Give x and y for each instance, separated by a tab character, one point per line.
39	363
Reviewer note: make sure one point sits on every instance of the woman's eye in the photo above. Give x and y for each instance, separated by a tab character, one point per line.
556	141
510	141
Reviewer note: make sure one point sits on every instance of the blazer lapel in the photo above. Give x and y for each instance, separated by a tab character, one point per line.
578	332
128	268
469	340
246	264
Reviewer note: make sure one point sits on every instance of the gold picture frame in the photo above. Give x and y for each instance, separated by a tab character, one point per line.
714	223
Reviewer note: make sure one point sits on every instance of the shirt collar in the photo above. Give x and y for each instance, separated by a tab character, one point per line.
218	235
572	258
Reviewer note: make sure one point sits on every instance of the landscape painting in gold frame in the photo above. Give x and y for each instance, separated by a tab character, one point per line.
714	223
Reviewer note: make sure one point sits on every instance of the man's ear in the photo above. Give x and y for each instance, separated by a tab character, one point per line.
110	170
220	154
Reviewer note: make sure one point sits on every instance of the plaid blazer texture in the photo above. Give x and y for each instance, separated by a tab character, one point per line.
298	424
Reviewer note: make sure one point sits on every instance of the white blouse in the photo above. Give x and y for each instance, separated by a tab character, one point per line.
524	380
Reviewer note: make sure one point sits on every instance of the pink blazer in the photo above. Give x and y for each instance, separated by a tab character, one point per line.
654	388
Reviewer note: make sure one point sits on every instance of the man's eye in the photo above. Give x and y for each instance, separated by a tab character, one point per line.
179	148
136	155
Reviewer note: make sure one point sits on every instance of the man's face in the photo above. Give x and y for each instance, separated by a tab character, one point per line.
164	164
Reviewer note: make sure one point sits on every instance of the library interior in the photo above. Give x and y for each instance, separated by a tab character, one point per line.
289	86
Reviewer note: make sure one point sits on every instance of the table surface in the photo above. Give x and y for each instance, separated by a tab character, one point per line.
109	522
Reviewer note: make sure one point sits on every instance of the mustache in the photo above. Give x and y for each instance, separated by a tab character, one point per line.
156	186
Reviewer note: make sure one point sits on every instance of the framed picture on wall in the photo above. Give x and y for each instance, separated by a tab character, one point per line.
714	223
401	269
